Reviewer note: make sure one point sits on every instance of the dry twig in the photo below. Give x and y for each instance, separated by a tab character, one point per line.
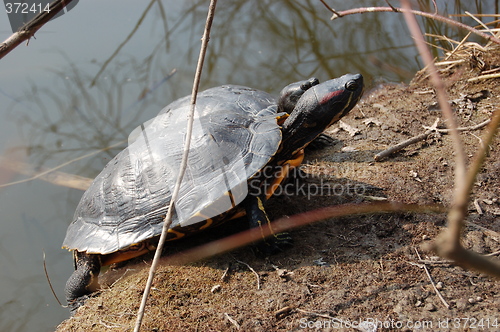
225	275
254	272
232	321
182	168
29	29
432	281
493	253
483	77
379	156
470	128
408	10
448	243
317	314
49	175
50	283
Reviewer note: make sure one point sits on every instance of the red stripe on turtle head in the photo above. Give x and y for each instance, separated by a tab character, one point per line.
327	97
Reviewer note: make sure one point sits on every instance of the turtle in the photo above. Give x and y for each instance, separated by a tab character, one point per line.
244	143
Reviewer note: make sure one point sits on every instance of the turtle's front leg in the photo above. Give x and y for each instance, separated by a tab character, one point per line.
84	279
257	217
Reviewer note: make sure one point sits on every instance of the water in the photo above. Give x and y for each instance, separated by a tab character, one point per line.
51	115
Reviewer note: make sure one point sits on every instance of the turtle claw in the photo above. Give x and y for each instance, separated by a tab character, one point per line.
273	245
74	304
320	142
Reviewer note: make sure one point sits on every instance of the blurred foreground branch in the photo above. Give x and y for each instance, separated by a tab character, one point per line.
448	243
287	223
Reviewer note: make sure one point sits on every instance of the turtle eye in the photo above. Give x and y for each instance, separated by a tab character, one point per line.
351	85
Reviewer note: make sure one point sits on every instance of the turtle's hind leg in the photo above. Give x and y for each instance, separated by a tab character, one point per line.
84	279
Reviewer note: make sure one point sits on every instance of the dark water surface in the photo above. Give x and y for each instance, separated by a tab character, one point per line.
51	114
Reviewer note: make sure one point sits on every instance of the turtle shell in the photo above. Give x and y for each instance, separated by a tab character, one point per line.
235	134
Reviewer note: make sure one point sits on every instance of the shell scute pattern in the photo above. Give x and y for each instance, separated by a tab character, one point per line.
128	200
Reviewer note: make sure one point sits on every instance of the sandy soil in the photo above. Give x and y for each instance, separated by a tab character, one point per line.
343	273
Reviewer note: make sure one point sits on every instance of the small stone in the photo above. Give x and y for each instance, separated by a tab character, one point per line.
349	149
418	304
426	237
430	307
439	285
462	304
216	288
471	300
479	299
397	308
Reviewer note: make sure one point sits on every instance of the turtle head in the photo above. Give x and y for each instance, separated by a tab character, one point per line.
319	107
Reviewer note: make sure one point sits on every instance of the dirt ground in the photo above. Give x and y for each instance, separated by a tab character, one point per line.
344	273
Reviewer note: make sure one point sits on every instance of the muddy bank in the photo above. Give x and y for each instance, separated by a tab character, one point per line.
347	270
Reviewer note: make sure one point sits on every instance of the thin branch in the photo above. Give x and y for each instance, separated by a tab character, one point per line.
459	204
311	313
29	29
379	156
190	119
232	321
50	283
330	9
493	253
458	253
470	128
483	77
337	14
479	22
432	281
448	243
254	272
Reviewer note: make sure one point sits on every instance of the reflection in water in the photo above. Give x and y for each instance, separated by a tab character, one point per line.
73	119
263	44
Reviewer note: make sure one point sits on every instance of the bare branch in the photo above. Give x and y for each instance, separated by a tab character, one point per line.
438	293
337	14
190	119
379	156
29	29
448	243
